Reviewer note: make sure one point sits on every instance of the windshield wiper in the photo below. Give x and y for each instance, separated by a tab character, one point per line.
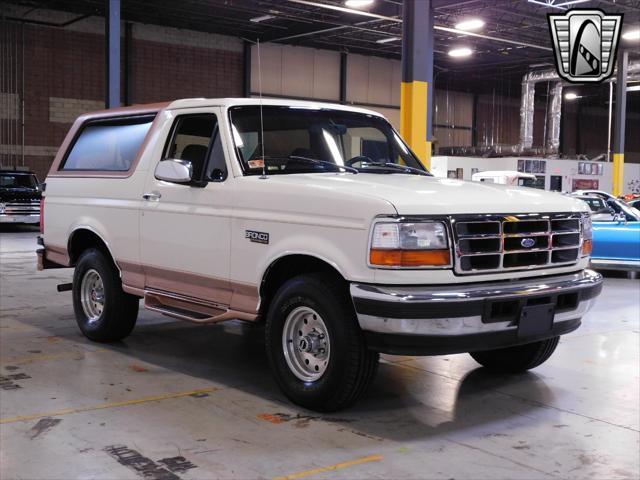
395	166
314	161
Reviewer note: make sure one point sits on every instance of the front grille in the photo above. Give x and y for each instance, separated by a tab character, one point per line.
22	208
510	242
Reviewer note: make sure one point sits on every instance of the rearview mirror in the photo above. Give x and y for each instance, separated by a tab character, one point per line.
174	170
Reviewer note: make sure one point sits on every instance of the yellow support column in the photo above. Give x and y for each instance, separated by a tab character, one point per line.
417	77
618	174
620	124
413	118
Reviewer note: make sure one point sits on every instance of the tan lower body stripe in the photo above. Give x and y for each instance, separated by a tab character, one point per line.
337	466
125	403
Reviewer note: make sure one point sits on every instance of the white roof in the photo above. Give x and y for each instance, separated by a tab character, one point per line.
286	102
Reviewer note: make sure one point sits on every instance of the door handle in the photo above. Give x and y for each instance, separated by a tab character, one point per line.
153	196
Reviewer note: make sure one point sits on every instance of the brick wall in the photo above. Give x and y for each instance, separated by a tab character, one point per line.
64	77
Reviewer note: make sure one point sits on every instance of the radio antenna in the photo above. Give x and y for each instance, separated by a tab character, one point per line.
264	165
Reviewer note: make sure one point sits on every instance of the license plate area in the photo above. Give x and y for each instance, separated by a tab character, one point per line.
536	319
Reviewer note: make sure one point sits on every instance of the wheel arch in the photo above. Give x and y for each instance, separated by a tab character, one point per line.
288	266
85	237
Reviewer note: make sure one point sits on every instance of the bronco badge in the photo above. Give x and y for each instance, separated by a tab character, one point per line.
257	237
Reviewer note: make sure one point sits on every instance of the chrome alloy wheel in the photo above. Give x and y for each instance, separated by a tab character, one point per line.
306	345
92	295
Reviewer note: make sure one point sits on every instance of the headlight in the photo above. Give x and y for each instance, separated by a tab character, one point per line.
2	205
409	244
587	236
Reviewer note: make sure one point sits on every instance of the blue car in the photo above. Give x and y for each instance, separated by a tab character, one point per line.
616	234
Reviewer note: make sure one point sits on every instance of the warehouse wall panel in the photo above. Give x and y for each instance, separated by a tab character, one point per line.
296	72
373	80
64	75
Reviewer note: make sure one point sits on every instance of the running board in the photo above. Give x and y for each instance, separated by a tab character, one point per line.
192	309
186	308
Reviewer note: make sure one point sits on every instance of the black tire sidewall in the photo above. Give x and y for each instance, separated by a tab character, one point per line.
343	336
94	259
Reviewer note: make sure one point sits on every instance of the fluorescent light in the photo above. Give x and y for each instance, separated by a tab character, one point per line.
358	3
388	39
553	4
633	88
470	24
460	52
570	96
261	19
632	34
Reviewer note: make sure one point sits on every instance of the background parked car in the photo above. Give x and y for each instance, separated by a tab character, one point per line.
616	233
19	197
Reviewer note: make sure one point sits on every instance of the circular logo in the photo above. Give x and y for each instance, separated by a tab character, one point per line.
527	242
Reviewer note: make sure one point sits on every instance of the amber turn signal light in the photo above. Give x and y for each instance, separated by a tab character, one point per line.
410	258
587	247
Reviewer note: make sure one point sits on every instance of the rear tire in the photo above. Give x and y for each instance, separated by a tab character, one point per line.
104	312
315	347
517	359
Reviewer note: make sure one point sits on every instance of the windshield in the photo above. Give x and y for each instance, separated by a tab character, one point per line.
631	214
17	181
295	136
595	204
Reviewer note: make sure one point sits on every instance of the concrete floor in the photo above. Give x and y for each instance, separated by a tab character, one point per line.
176	400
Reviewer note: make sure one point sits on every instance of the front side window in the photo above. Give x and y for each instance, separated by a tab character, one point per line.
307	140
108	145
196	138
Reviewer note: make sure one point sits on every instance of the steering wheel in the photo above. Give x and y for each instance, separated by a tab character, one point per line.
358	159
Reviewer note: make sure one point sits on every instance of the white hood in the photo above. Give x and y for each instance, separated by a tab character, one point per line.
415	195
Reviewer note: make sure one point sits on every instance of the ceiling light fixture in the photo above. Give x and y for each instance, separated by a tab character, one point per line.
261	19
358	3
633	88
570	96
470	24
388	39
562	5
460	52
632	34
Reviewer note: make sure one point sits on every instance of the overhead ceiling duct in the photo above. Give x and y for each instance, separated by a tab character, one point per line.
554	115
527	106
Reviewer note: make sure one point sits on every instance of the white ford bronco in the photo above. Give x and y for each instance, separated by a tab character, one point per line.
319	221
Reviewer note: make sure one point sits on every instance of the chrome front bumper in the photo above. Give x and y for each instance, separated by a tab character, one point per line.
9	218
465	317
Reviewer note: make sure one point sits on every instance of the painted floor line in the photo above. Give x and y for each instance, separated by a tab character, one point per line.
103	406
330	468
48	357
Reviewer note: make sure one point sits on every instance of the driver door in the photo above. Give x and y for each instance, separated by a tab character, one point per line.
185	228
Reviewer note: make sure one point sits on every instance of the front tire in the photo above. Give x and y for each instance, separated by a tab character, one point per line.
315	347
104	312
517	359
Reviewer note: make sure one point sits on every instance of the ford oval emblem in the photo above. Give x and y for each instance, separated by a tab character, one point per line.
527	242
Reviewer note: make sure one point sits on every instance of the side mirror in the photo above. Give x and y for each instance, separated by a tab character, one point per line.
175	171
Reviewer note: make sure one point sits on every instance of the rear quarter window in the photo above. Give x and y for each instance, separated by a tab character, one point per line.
110	146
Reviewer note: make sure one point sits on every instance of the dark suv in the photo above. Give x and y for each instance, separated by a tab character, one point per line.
19	197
